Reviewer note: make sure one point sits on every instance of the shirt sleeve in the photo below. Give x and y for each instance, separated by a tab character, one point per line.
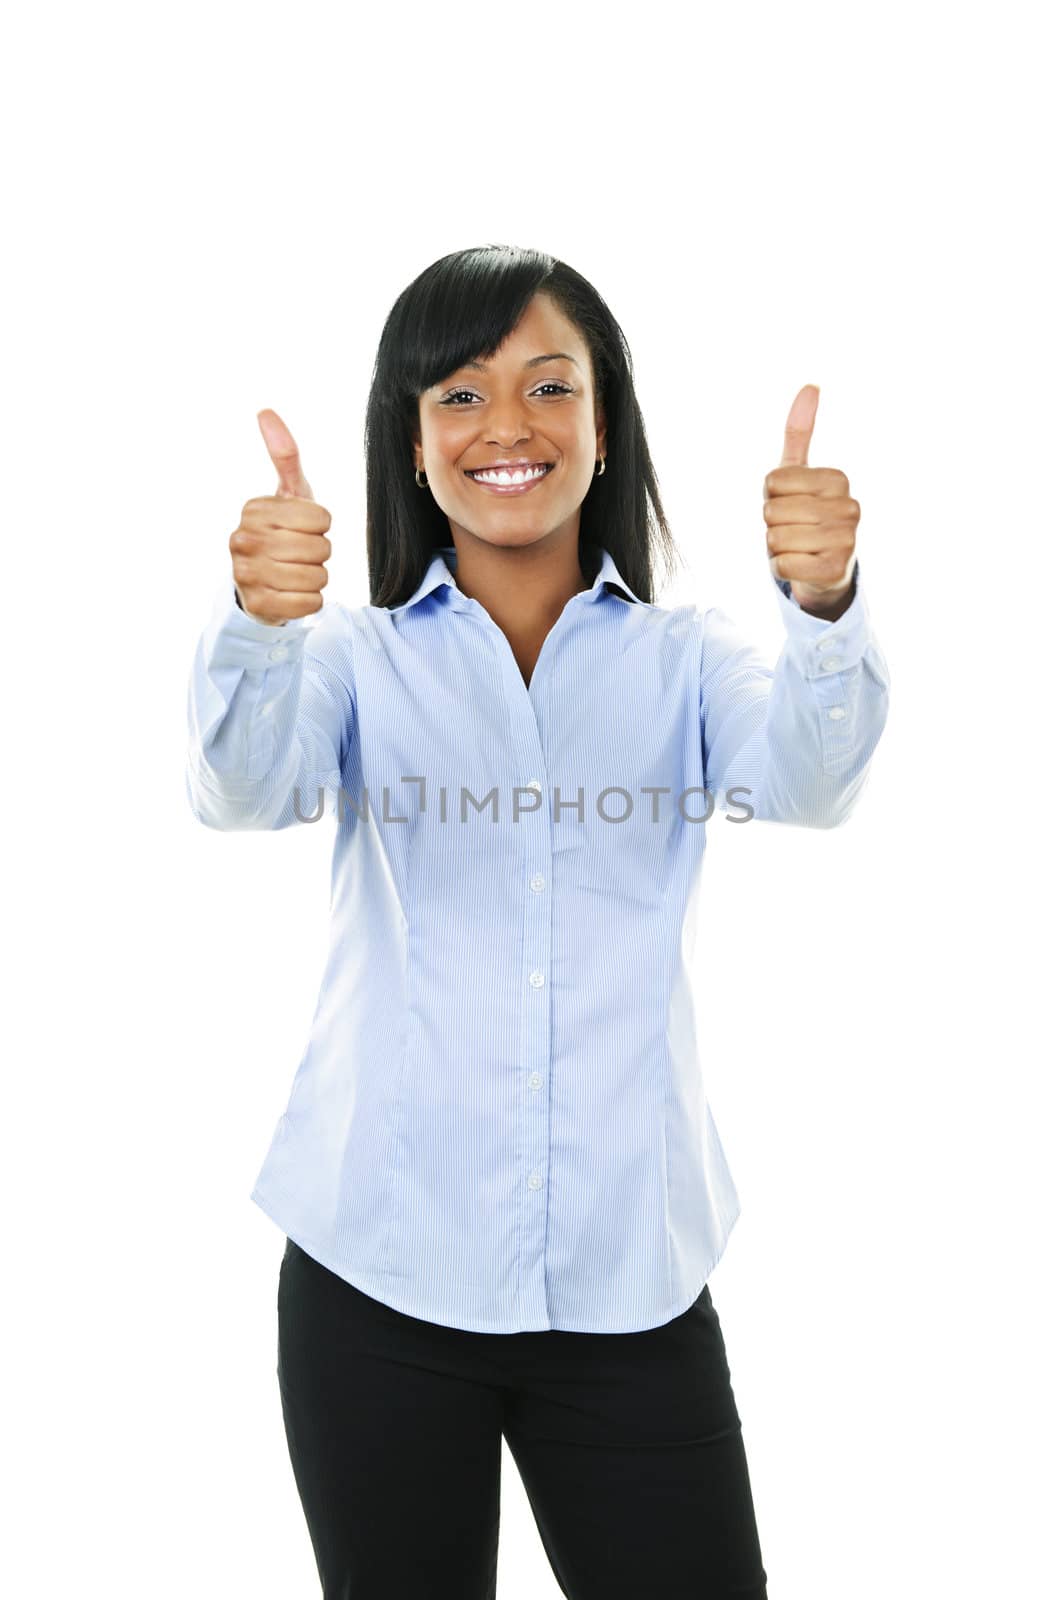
271	713
794	741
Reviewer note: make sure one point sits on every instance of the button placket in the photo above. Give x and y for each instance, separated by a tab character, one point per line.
535	856
535	1033
537	846
835	712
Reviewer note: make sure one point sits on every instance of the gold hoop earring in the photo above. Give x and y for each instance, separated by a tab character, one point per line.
418	480
601	468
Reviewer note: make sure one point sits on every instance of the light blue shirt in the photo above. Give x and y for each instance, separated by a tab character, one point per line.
499	1122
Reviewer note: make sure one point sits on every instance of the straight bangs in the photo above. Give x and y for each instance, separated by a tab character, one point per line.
461	310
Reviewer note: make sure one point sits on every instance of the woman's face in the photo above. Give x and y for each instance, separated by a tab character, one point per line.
517	406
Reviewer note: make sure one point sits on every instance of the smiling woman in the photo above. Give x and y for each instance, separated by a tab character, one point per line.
497	359
498	1172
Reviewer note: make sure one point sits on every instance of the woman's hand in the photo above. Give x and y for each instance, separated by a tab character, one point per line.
811	520
279	549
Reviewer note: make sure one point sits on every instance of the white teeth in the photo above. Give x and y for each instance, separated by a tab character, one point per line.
510	477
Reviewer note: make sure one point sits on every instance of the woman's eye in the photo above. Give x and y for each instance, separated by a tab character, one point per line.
455	393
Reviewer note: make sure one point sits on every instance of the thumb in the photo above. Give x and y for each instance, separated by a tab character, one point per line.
284	452
799	425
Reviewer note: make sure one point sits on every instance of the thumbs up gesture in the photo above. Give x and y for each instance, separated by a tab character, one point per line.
279	549
811	519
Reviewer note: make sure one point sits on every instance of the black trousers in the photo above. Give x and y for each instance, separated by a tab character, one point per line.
629	1446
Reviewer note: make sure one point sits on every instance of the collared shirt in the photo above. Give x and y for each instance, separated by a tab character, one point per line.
499	1122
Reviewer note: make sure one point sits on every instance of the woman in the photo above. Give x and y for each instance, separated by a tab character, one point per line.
500	1180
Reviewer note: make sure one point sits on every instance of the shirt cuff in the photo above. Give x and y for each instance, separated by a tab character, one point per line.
821	648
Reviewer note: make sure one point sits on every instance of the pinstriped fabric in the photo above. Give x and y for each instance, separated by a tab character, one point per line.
499	1121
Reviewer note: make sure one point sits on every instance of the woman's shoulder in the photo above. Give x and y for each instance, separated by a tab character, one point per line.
679	624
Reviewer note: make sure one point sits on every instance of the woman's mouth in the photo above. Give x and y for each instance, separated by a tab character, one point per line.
521	481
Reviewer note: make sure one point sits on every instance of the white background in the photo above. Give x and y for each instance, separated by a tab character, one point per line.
211	210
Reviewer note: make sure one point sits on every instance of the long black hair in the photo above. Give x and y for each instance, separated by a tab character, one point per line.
460	309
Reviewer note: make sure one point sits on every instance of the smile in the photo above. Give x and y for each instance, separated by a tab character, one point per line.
518	482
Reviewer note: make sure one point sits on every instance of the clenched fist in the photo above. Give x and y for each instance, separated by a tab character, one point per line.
279	549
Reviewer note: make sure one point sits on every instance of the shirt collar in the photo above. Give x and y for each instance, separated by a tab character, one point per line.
444	562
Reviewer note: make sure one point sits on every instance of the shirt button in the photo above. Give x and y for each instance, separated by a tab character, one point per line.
534	1181
835	712
537	979
537	881
831	663
535	1080
278	653
533	783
